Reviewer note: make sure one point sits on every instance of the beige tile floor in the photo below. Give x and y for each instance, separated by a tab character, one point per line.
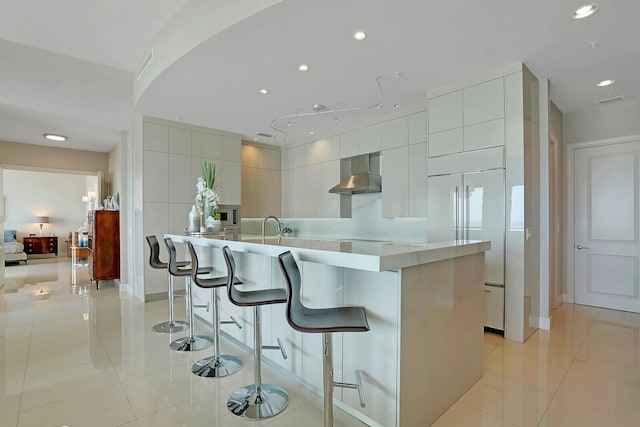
88	358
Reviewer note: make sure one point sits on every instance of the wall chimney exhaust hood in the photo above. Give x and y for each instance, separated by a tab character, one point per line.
359	175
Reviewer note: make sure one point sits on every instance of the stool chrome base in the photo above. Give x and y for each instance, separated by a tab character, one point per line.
247	403
171	327
216	366
194	343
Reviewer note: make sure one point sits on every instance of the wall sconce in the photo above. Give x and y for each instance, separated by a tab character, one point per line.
40	220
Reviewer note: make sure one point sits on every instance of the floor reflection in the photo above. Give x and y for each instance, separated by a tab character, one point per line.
87	357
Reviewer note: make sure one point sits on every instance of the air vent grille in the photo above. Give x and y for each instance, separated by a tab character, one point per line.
264	135
612	99
145	64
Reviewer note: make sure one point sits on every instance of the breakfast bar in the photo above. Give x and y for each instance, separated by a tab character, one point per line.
424	303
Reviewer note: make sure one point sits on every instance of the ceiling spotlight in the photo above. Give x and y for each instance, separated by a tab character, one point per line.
360	35
605	83
594	44
264	91
584	11
54	137
396	105
311	132
303	67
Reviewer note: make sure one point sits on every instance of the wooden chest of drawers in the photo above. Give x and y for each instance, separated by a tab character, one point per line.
104	245
40	245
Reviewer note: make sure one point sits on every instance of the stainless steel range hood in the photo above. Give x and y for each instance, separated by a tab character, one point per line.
359	175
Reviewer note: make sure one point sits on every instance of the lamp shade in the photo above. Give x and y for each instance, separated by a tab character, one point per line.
40	219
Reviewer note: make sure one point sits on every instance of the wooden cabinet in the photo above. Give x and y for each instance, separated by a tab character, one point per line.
104	245
40	245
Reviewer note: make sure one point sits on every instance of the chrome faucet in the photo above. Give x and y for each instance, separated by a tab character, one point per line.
278	228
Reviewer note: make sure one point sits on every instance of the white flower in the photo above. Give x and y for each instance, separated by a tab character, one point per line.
205	196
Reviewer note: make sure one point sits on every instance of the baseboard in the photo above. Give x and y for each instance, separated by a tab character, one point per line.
125	287
155	297
540	322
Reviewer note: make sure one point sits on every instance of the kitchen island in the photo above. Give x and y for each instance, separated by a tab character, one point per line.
424	303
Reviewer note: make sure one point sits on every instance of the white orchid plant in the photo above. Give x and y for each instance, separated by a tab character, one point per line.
207	199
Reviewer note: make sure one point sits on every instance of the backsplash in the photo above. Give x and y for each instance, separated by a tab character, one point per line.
366	223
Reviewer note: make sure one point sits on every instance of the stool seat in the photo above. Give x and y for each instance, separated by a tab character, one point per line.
215	282
259	297
336	319
181	271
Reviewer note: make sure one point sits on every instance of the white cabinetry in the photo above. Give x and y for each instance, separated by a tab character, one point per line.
394	165
468	119
494	307
491	122
445	112
470	206
483	102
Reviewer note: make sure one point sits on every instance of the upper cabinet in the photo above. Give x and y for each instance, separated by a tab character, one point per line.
445	112
468	119
179	150
483	102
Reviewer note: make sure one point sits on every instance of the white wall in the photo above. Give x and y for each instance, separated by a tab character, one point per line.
602	122
56	195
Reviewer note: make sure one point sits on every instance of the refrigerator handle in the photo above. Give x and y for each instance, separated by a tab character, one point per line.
466	210
457	223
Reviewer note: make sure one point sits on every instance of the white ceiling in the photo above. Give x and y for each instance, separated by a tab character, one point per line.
68	65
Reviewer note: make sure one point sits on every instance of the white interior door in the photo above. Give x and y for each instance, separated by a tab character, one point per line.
485	218
606	246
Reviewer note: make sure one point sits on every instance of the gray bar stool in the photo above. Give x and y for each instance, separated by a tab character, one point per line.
154	261
255	401
217	365
191	342
325	321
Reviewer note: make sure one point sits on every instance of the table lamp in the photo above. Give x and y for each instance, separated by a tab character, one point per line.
40	220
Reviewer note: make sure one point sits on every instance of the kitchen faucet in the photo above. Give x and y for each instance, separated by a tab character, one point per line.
278	228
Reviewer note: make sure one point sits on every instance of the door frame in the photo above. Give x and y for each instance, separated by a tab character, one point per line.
570	150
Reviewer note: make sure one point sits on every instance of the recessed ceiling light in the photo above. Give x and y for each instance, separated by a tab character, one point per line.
360	35
303	67
396	105
264	91
584	11
54	137
311	132
605	83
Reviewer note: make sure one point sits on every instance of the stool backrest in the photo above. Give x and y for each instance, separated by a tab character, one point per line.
154	256
194	264
295	309
234	295
173	263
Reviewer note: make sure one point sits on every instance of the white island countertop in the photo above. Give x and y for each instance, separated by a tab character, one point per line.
368	255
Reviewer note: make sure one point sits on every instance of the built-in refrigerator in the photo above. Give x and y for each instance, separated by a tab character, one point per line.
471	206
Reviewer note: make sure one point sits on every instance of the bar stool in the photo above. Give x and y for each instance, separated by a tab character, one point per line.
218	365
325	321
191	342
154	261
256	401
